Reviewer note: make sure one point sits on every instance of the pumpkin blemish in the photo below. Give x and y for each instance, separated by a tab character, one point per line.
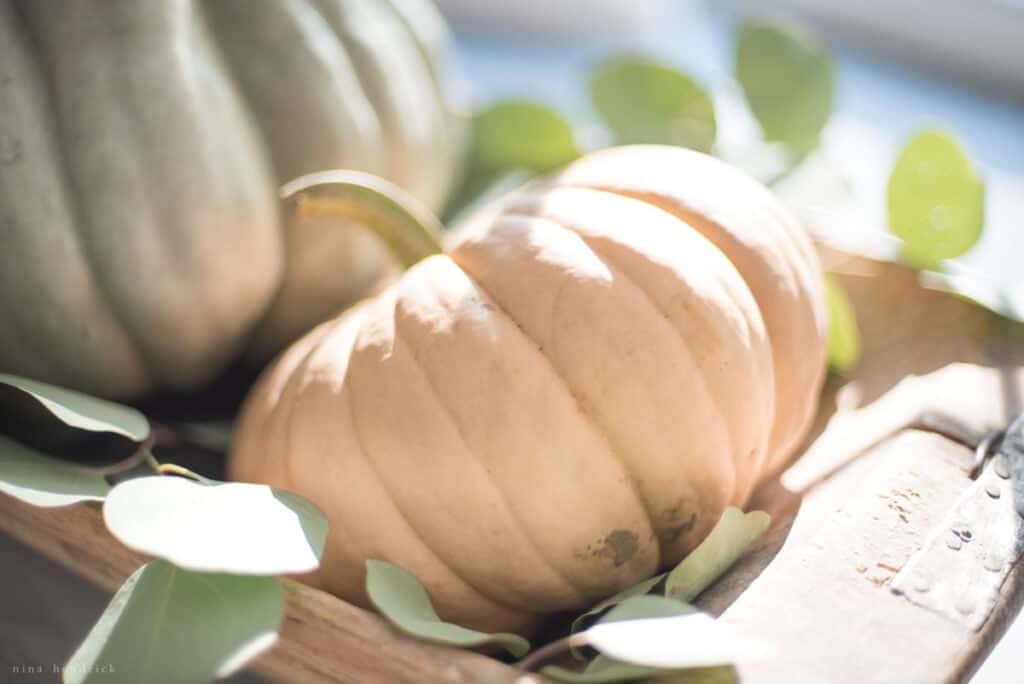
623	545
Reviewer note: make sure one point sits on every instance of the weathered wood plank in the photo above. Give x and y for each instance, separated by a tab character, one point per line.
875	493
825	605
323	639
817	586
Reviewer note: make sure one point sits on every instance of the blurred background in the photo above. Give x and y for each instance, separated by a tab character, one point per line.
900	65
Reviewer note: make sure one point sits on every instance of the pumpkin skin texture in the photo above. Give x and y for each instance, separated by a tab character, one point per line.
141	146
557	408
765	242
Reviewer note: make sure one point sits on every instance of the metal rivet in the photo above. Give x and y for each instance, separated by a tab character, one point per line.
993	563
964	605
1001	467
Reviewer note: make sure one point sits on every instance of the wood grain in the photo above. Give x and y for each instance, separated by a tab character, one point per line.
825	605
816	588
323	639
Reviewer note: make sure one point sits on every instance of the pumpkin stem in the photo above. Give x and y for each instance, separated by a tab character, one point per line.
409	230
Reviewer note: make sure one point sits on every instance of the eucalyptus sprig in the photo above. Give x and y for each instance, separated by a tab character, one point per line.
788	80
212	600
636	633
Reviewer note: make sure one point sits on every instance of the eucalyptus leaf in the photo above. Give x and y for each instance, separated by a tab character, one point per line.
177	627
82	411
722	674
936	202
770	163
636	590
787	78
844	342
646	606
642	100
400	598
634	608
480	189
728	540
233	527
663	633
608	671
633	618
42	481
518	134
732	535
602	671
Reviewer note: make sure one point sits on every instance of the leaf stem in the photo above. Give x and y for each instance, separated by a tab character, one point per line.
137	458
146	454
173	469
122	466
548	651
150	459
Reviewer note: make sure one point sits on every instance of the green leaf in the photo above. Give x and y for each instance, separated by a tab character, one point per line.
479	189
731	537
936	202
517	134
636	590
601	671
233	527
645	101
649	636
788	81
168	625
843	334
400	598
608	671
40	480
723	674
513	140
661	632
82	411
643	607
770	163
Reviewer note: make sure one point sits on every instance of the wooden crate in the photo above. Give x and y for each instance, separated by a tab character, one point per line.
818	588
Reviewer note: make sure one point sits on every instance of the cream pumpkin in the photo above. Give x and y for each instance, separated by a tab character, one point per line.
141	146
565	402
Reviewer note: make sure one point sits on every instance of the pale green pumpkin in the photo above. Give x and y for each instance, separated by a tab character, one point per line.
141	147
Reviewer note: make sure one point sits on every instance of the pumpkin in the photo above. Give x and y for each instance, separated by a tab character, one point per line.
562	404
141	146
